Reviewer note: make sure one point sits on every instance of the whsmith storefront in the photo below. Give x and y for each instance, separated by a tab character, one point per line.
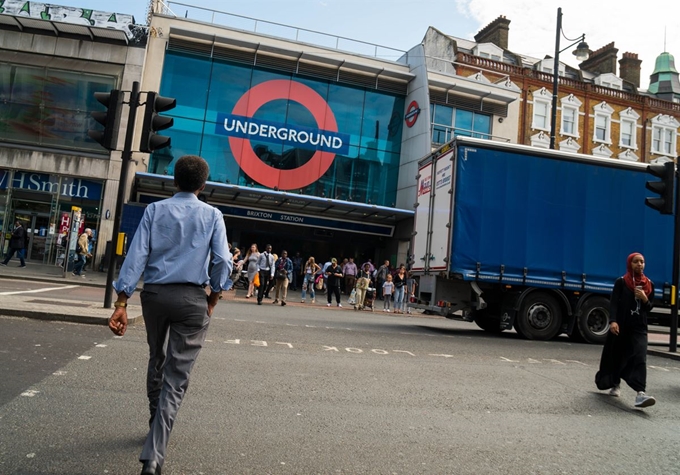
304	143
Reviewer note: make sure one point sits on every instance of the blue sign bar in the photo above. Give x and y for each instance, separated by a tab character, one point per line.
70	186
274	132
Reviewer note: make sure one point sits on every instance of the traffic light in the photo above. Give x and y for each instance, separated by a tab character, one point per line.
110	119
153	122
663	188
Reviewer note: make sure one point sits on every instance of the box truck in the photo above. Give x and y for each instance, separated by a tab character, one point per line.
511	236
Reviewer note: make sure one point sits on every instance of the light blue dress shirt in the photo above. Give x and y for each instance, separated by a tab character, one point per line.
173	245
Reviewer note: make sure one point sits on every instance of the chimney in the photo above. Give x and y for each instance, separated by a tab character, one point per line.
495	32
629	68
601	61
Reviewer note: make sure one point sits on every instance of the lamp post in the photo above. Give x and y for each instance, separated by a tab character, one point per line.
582	53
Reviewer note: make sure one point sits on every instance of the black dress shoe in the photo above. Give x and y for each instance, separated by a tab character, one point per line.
151	467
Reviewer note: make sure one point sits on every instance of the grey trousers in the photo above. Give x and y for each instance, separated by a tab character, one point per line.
176	319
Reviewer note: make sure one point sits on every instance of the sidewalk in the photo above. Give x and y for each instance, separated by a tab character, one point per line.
33	306
48	308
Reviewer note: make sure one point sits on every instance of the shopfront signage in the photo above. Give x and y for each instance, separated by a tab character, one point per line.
241	127
412	113
70	186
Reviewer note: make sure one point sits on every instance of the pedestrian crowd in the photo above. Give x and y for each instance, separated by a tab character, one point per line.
268	272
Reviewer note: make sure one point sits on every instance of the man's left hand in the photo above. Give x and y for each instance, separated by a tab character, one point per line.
213	298
118	321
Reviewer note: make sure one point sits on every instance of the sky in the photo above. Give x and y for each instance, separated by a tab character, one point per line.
401	24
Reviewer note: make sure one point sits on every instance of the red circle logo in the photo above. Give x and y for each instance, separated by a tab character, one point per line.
251	164
412	113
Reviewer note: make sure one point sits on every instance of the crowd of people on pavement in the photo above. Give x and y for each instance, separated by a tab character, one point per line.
267	271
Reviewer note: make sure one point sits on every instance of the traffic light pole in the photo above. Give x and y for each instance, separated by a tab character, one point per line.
673	346
125	164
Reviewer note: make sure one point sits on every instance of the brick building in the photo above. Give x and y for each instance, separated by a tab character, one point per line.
600	111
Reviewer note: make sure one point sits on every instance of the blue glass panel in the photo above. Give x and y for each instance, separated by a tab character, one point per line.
186	140
345	101
186	78
228	83
443	115
482	125
368	117
382	121
463	122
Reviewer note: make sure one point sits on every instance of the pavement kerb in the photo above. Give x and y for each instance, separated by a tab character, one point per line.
60	317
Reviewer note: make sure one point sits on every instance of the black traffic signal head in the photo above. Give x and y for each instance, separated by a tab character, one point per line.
110	119
153	122
663	188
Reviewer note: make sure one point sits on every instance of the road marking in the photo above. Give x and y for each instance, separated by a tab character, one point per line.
84	357
577	362
444	356
508	360
554	361
659	368
101	345
531	360
59	373
37	291
30	393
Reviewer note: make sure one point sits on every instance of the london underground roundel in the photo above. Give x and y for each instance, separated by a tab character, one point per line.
241	127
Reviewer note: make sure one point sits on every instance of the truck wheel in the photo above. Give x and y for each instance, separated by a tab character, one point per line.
488	323
540	317
593	322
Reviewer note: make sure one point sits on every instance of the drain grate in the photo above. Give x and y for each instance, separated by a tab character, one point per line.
60	303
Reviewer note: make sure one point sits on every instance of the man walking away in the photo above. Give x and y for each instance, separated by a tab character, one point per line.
172	247
17	243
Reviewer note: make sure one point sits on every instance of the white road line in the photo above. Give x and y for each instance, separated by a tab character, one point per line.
37	291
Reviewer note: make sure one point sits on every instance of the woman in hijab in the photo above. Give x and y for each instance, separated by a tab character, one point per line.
624	355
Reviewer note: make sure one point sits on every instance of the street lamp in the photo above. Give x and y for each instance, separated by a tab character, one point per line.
582	53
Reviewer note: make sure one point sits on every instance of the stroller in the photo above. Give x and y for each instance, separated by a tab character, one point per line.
239	277
369	298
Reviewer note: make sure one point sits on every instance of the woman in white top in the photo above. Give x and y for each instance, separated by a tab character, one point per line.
310	270
251	258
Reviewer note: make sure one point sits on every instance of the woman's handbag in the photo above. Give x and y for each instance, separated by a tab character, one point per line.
256	280
319	282
281	274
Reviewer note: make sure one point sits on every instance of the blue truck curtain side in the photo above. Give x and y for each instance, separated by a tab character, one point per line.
552	216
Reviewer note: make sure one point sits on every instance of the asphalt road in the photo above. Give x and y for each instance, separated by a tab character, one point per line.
323	390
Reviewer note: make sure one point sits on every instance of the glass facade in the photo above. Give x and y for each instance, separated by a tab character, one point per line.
263	128
448	121
49	107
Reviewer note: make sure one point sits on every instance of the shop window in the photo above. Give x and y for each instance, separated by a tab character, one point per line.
49	107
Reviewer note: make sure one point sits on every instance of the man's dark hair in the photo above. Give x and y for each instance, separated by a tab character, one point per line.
191	173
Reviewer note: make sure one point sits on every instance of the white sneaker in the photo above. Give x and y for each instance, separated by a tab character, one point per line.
339	305
313	300
328	305
642	400
615	391
303	300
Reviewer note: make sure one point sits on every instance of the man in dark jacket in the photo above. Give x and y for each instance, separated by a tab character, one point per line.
283	275
17	243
